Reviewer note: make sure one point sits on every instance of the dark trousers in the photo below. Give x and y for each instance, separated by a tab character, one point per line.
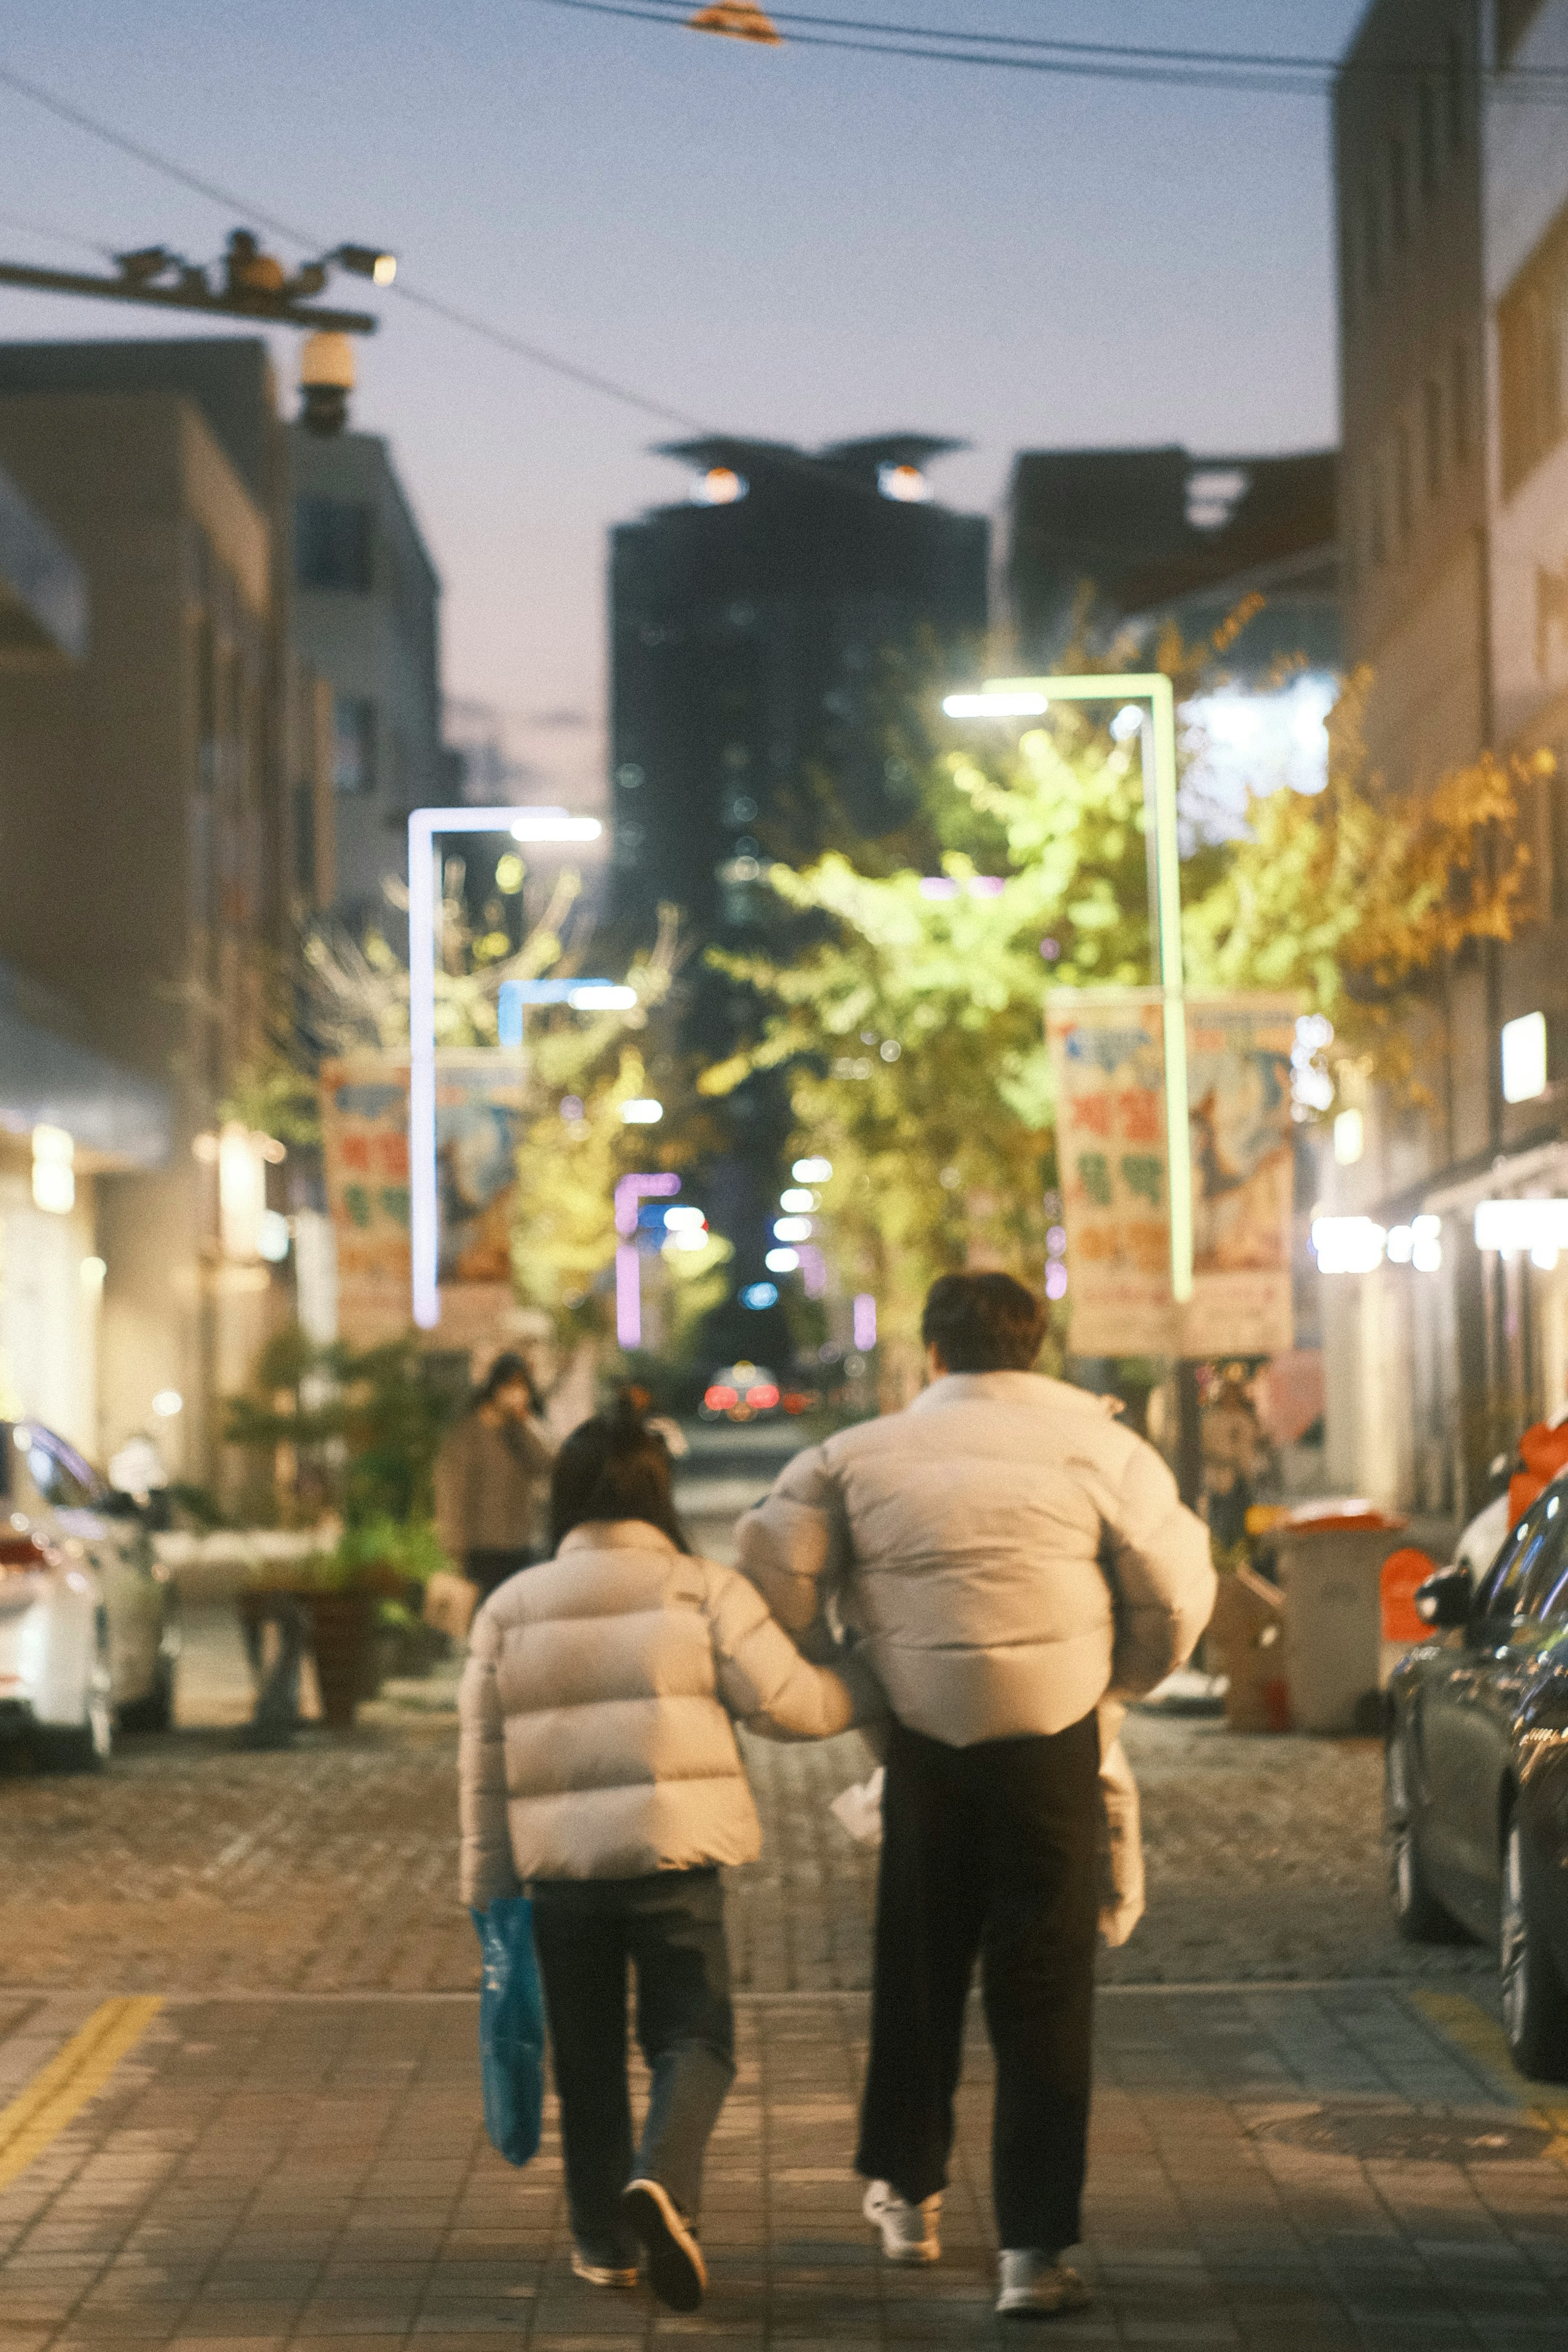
987	1852
669	1928
489	1569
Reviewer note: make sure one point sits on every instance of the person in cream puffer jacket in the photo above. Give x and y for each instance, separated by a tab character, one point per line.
599	1770
1015	1567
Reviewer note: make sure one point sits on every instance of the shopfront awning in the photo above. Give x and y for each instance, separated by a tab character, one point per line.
116	1118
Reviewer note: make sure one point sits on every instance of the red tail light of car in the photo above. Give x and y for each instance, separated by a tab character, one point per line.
763	1397
798	1400
21	1553
720	1400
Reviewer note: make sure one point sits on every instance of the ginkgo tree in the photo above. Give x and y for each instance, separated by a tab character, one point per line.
909	1024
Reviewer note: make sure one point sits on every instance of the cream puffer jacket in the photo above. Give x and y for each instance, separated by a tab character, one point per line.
596	1712
1010	1555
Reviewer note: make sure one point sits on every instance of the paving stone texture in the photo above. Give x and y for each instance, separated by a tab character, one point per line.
1288	2152
192	1866
312	2175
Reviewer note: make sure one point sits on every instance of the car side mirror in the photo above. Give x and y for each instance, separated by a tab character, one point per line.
1445	1599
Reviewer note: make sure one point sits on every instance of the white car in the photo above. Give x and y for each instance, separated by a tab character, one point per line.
88	1630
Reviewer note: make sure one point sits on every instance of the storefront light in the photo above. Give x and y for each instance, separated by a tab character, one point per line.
792	1229
812	1172
1536	1227
1348	1244
1524	1058
54	1170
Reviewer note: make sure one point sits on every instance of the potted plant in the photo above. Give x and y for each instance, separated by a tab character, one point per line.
378	1565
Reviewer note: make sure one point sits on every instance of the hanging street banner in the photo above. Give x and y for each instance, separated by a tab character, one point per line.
1108	1059
480	1105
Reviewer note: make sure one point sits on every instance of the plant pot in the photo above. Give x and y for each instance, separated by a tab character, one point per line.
344	1639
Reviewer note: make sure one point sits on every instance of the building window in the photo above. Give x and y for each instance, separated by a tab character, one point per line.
1398	192
1404	491
1533	320
1455	92
1371	238
1514	19
1426	140
333	544
1432	422
354	744
1461	404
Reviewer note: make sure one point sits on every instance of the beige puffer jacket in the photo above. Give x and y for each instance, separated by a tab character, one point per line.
1009	1553
595	1713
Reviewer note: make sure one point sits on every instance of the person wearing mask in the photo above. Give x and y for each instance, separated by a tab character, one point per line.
490	1478
1016	1565
600	1774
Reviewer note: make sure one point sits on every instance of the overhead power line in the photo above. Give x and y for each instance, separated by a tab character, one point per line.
1263	72
310	242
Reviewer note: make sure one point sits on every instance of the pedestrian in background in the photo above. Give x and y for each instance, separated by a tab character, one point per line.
600	1773
1012	1560
491	1476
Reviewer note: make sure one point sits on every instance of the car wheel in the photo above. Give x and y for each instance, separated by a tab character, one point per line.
85	1747
1534	2002
1418	1915
155	1712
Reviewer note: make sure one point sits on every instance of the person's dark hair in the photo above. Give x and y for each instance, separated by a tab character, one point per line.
984	1323
508	1367
612	1467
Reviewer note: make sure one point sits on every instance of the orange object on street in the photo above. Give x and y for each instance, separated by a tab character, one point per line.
1399	1580
1543	1452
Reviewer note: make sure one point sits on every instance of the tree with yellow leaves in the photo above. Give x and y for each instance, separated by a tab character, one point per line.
912	1025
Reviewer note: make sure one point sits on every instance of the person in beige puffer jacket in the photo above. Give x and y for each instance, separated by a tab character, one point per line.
599	1770
1016	1567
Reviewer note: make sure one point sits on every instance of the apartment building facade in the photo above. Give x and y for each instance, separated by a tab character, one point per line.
1452	209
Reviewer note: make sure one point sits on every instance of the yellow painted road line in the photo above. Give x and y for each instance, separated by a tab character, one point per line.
1465	2023
59	2092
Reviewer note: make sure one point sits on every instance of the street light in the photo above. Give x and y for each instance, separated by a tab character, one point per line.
1016	698
424	887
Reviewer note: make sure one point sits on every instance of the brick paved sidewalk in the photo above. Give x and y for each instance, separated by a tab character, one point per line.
1286	2169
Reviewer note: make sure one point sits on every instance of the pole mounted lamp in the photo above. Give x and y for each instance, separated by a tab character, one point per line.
1031	698
424	897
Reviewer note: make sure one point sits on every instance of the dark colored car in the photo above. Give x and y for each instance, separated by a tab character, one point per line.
1477	1775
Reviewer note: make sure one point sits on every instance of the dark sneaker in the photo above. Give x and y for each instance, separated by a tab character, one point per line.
676	2270
1038	2286
602	2274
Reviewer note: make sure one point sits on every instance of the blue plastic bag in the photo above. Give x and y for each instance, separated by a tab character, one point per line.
511	2028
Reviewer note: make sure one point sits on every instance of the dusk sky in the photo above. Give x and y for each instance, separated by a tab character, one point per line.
798	243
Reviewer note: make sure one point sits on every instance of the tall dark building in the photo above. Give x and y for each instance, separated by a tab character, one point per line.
1100	538
747	627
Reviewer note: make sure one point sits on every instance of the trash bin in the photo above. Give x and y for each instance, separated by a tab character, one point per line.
1331	1558
1244	1644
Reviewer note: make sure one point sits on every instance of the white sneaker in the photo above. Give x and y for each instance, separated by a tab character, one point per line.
602	2274
909	2231
1037	2286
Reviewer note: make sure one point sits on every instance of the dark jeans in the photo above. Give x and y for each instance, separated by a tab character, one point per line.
489	1569
987	1850
670	1927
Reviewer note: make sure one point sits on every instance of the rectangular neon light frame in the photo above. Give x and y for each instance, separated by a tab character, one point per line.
424	882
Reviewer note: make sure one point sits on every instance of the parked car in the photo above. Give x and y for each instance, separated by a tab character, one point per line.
89	1635
1478	1547
1477	1775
